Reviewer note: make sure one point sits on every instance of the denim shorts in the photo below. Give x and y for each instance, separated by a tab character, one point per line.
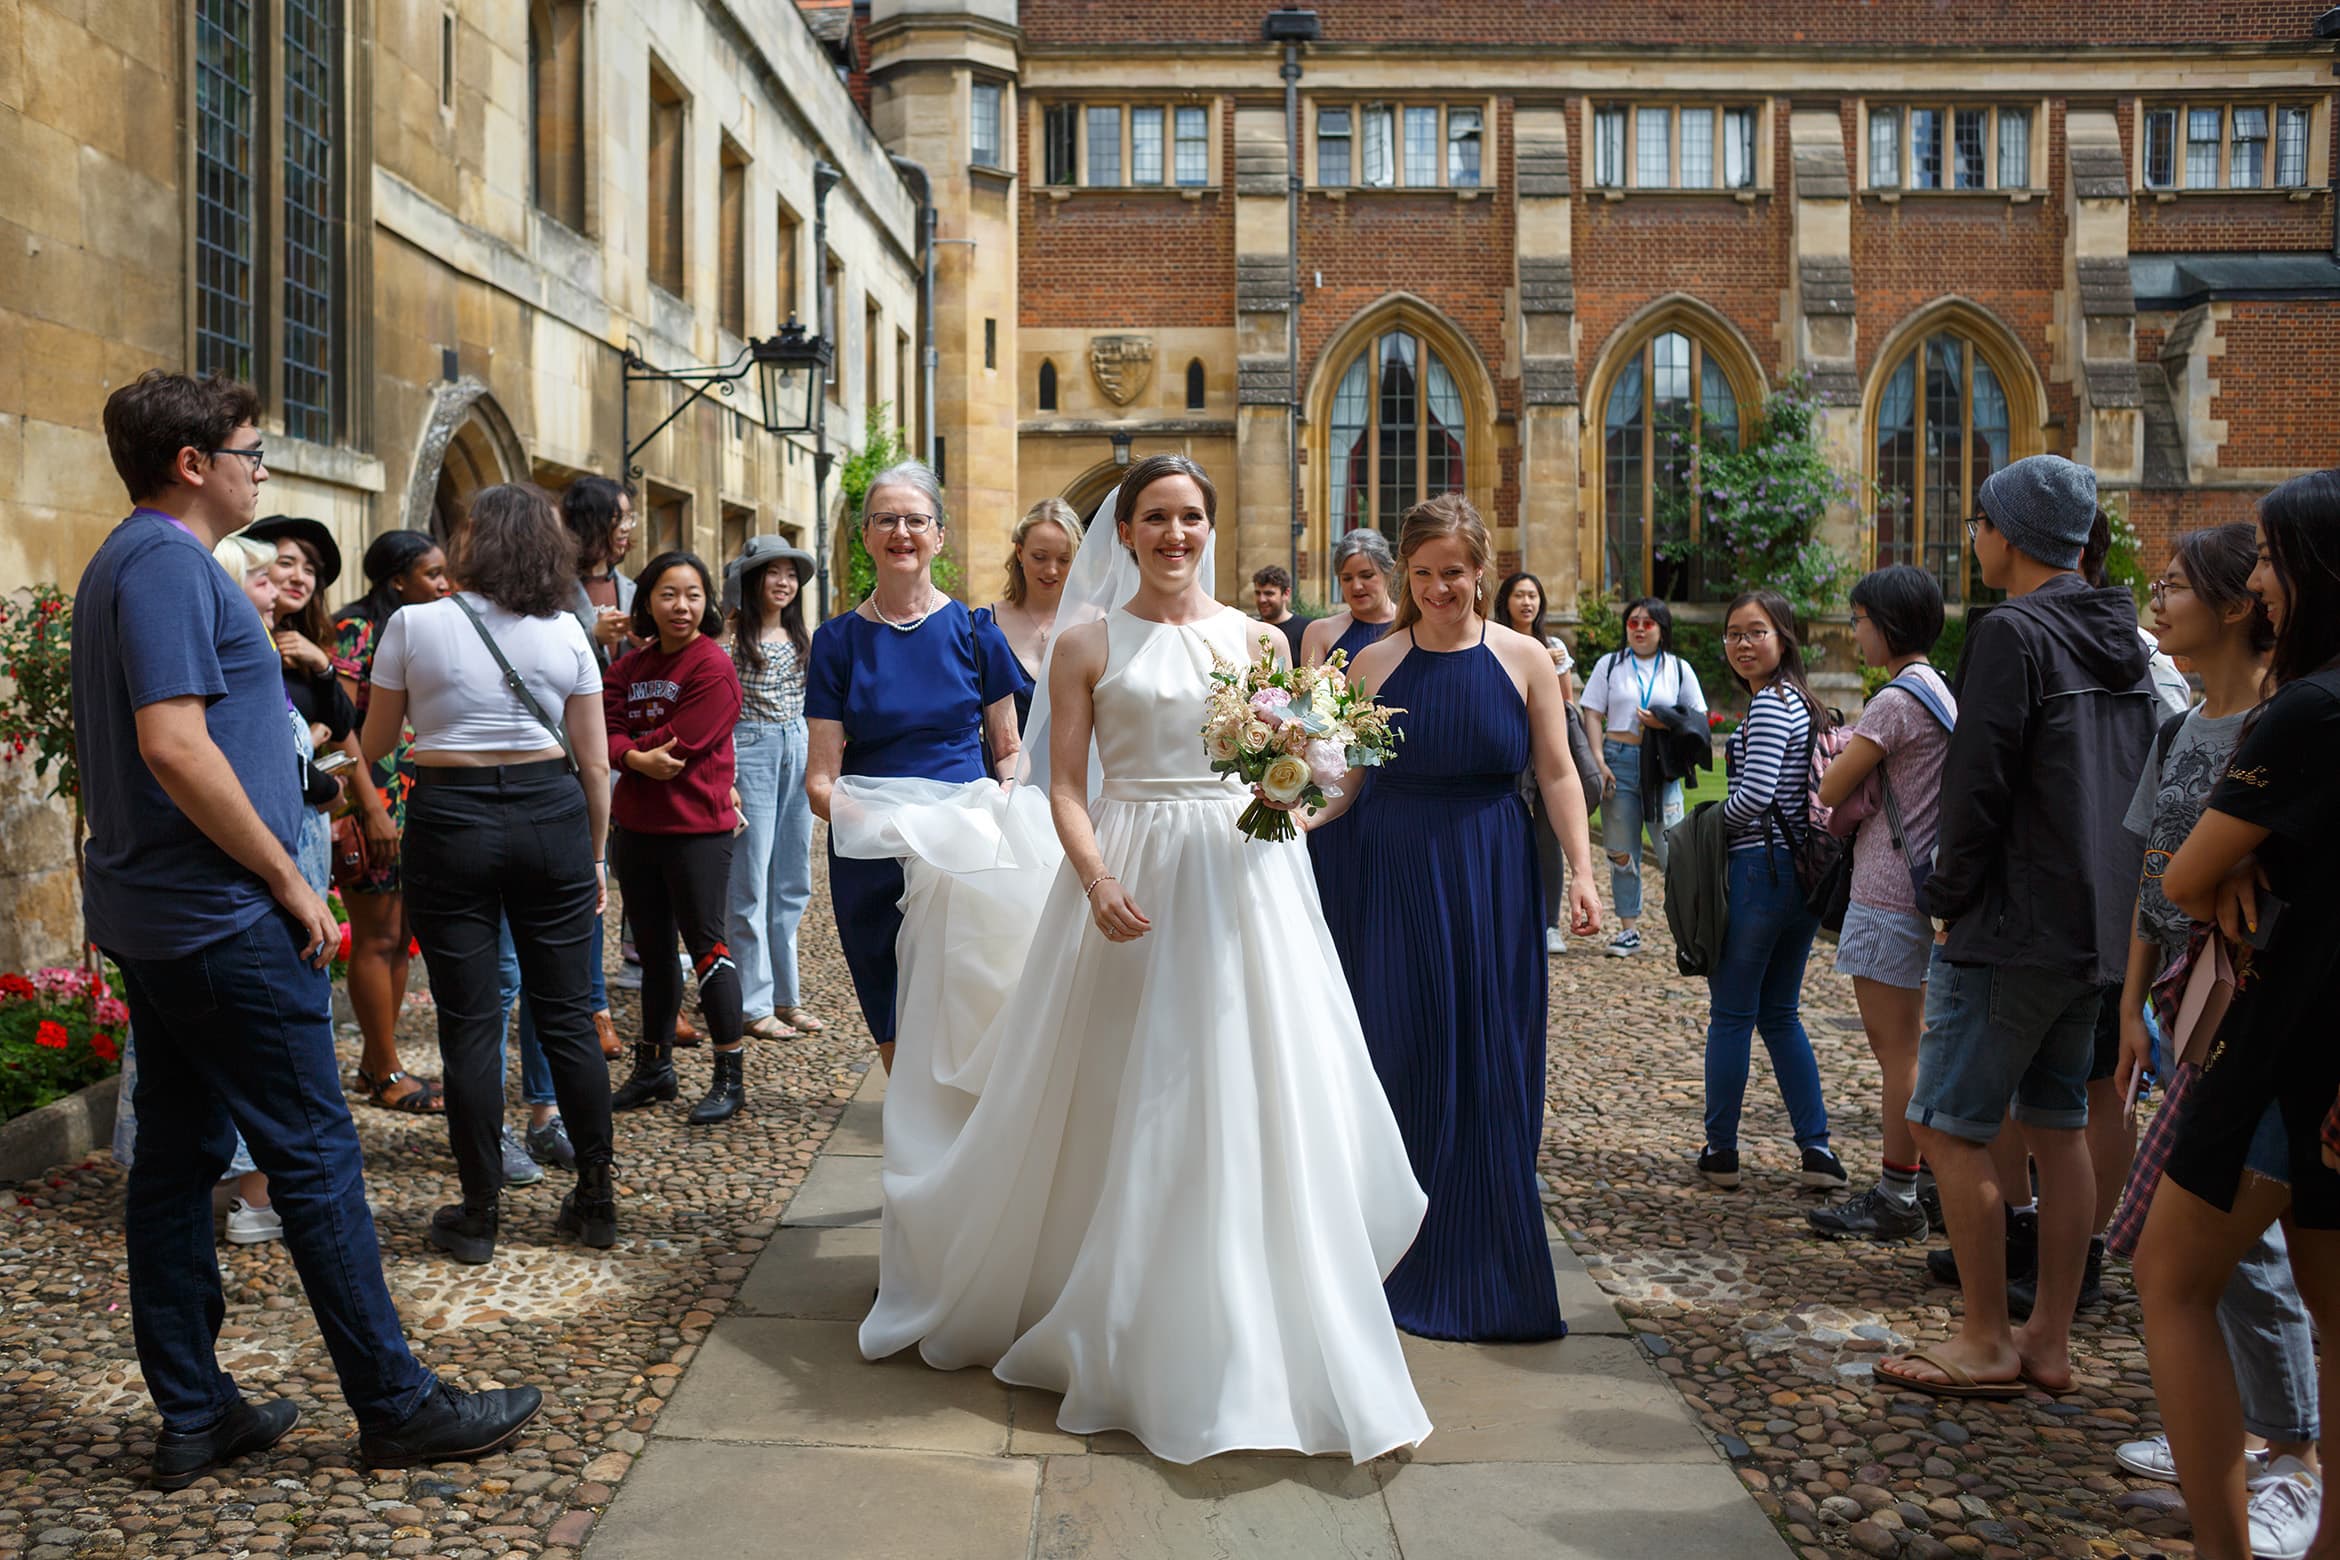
2270	1150
1996	1036
1891	947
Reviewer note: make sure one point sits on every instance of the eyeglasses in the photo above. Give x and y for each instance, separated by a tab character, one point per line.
1973	524
2160	589
914	525
1858	618
1746	636
256	455
1638	625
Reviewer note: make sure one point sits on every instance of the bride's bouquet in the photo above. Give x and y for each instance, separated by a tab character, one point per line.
1293	732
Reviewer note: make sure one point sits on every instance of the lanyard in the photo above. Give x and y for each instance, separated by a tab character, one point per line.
1648	685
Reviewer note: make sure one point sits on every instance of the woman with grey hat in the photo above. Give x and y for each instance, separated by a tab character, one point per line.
771	862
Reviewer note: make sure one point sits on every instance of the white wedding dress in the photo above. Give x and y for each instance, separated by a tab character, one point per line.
1158	1177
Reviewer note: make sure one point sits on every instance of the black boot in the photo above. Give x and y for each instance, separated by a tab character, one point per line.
726	1092
653	1079
466	1230
2023	1293
2022	1252
590	1211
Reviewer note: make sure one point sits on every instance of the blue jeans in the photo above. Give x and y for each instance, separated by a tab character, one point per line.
2269	1340
239	1036
536	1079
1622	826
771	864
1757	985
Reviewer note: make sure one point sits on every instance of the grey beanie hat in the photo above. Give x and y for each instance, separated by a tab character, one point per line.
2045	506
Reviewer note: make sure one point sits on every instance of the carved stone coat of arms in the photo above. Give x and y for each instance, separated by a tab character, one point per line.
1121	365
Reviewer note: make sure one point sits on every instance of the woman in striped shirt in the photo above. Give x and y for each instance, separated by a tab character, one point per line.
1757	985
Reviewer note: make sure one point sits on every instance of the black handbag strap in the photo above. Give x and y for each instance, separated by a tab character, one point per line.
518	684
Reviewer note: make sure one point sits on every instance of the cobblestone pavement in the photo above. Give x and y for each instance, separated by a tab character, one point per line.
1768	1332
1771	1332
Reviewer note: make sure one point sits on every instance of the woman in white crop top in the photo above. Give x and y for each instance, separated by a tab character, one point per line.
1622	697
507	822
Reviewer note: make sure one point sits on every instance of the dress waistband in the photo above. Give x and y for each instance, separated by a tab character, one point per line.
1460	788
1184	789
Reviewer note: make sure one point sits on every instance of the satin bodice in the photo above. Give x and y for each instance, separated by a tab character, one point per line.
1149	707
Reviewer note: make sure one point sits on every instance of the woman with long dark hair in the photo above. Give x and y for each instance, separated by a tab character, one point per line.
771	861
1625	696
670	709
1758	982
495	694
2261	1135
402	568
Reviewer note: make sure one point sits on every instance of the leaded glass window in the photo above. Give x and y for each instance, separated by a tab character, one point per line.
1670	400
1397	433
224	168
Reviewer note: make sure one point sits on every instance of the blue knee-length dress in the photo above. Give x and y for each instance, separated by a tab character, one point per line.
1336	852
1450	983
912	702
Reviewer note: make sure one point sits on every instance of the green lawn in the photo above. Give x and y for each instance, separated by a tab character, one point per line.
1706	785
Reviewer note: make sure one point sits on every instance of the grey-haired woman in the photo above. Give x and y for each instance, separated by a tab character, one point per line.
906	684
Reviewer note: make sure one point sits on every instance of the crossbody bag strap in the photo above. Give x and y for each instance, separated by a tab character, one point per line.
518	684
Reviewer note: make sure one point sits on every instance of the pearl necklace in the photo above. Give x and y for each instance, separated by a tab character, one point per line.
879	612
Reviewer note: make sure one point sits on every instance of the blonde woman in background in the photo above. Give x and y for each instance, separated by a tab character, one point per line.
1040	556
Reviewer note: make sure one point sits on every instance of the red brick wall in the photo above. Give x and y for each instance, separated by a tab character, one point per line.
2212	222
2161	516
1075	23
1125	260
2279	385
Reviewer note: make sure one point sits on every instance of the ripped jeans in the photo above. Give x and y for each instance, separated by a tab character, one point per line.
1622	826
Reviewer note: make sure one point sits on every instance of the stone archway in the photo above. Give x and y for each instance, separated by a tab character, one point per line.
467	444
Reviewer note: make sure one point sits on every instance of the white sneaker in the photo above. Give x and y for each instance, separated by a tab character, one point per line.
1555	940
2283	1511
2151	1460
249	1226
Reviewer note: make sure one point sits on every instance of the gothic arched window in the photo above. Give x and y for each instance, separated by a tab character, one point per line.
1941	423
1047	385
1194	385
1671	396
1395	434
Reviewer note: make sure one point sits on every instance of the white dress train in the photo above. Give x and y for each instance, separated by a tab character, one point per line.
1157	1177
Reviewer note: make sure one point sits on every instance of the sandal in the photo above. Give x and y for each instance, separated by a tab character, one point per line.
799	1020
769	1027
426	1098
1958	1385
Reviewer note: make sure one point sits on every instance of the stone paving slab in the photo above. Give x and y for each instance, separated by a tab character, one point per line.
817	1273
1574	1400
859	1132
839	1190
1584	1305
761	1378
1577	1513
1134	1508
697	1500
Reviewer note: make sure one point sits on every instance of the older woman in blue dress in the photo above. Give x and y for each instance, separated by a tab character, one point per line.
908	684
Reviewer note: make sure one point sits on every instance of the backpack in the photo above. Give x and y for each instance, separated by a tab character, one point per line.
1833	898
1698	898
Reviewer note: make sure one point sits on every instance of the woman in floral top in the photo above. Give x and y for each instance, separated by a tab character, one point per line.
403	568
771	865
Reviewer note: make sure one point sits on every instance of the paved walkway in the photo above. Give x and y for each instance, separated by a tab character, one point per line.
1576	1450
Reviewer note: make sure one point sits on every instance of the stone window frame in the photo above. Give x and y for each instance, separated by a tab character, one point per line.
1357	105
1713	339
1868	180
561	99
1002	96
348	307
1596	108
2315	172
1041	112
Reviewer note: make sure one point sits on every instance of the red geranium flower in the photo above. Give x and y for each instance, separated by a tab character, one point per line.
52	1034
104	1045
15	986
344	953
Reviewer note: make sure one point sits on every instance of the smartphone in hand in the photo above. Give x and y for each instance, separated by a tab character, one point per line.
2270	911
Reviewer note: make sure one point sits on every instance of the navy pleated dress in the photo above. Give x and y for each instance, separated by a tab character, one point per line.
1336	852
1450	983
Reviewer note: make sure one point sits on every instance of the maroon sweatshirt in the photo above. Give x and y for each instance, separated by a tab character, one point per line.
692	697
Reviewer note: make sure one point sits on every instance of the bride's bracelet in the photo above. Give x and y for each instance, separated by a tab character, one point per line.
1090	891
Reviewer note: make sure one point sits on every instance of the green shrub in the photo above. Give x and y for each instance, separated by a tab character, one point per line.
60	1030
881	446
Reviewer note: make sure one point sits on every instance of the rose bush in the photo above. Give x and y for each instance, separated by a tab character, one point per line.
60	1030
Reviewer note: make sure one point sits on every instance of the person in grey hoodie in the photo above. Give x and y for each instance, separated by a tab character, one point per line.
2033	882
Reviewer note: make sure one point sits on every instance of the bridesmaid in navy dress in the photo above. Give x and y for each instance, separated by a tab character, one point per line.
907	684
1450	981
1040	557
1363	566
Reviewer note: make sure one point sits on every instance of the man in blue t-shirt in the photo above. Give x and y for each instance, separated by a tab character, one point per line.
193	802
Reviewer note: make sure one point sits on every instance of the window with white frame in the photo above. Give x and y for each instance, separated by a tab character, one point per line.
1400	146
1661	146
1969	146
983	128
2226	146
1125	145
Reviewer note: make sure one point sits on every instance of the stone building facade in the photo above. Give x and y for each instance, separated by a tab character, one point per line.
432	233
1533	252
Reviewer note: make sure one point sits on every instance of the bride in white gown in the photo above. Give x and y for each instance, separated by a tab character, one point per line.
1135	1151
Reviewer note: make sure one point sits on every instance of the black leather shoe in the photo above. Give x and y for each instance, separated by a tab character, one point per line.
653	1078
452	1426
466	1233
1871	1216
179	1460
2023	1293
590	1211
726	1092
2022	1253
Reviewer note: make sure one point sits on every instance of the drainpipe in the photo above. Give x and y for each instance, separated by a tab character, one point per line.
926	230
824	180
1291	74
